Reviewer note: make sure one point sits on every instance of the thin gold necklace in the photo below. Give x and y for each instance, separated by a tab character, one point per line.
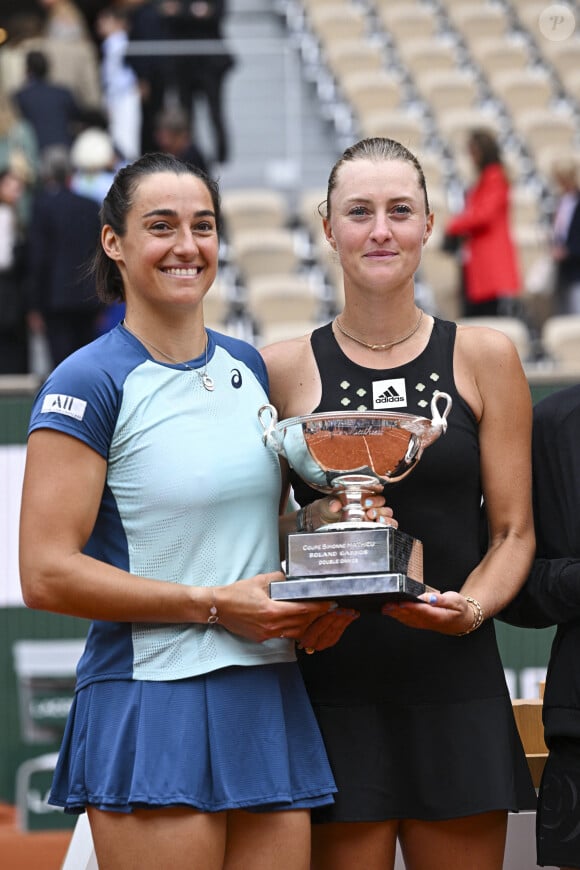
206	380
388	344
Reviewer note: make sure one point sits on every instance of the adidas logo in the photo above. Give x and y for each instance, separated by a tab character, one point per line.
389	394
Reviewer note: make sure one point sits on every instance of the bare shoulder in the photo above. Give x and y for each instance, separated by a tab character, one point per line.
293	375
281	354
488	368
485	344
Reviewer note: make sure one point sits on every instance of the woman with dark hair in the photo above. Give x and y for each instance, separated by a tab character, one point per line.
490	270
150	507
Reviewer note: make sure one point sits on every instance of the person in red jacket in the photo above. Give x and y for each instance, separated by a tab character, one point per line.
491	275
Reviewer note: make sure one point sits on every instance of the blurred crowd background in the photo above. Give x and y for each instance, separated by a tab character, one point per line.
485	92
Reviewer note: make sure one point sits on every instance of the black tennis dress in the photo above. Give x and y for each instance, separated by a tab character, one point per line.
417	724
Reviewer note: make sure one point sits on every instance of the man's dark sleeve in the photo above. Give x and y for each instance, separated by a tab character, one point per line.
551	595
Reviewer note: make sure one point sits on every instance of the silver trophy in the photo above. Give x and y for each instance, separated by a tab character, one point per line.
352	455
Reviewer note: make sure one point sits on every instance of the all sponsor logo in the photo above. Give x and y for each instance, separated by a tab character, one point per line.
57	403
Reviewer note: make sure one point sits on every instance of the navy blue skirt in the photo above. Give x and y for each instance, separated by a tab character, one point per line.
237	738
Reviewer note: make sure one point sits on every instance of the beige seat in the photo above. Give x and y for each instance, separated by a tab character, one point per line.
279	298
441	272
346	56
522	90
541	128
526	206
395	124
368	92
434	169
307	209
498	55
455	125
511	326
449	6
251	208
439	203
528	14
570	78
281	331
531	241
474	21
265	251
329	23
406	21
561	339
424	54
448	90
563	56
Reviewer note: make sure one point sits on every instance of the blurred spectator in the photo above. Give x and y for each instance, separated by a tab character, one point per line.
23	28
153	70
491	276
63	20
173	136
51	109
202	75
119	82
565	247
18	150
64	233
65	39
93	162
13	332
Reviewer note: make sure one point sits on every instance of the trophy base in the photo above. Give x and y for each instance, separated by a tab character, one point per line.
364	592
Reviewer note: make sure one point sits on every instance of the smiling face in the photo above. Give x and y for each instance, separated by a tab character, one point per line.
168	252
378	222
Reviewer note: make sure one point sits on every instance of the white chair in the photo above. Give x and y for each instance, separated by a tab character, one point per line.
251	208
279	298
80	853
514	328
561	339
395	124
264	252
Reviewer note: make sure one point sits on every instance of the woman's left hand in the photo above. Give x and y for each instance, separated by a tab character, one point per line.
327	629
445	612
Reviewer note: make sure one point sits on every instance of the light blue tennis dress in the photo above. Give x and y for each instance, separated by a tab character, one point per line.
181	713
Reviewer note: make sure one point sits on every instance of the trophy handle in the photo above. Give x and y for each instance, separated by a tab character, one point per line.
439	421
268	417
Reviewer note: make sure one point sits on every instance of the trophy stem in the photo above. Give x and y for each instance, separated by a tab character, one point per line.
353	488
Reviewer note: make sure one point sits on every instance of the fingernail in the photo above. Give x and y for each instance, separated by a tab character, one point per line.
382	519
368	502
432	599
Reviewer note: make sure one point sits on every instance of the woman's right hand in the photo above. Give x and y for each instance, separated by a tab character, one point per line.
245	608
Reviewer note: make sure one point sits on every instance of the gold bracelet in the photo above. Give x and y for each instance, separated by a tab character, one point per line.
478	615
213	613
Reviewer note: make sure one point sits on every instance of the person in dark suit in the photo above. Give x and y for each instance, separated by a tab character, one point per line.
566	236
202	74
551	596
51	109
63	236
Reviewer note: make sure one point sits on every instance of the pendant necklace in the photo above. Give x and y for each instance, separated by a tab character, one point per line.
388	344
206	379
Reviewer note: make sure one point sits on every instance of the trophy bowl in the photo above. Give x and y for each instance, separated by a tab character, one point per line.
352	455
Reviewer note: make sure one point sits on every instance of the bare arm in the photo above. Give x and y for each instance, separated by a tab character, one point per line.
490	377
63	485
